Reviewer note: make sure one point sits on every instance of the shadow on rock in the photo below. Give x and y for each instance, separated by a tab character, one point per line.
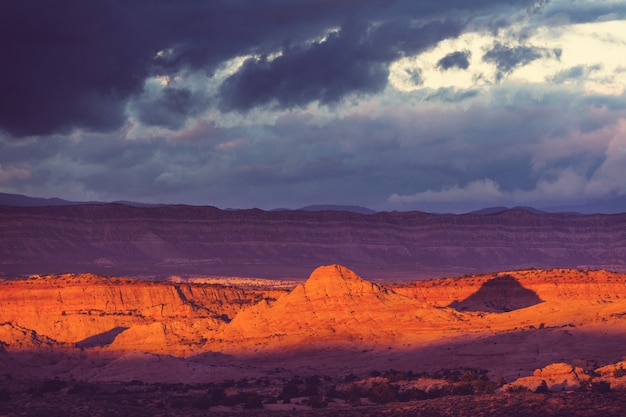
498	295
101	339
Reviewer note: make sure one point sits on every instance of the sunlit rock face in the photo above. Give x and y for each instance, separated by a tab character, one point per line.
504	322
120	240
335	306
88	311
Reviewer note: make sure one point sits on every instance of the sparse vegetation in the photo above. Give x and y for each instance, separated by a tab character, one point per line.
393	392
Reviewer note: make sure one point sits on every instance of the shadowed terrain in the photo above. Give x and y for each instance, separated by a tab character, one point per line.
564	328
116	239
501	294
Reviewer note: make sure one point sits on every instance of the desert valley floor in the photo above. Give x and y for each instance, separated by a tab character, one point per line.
505	343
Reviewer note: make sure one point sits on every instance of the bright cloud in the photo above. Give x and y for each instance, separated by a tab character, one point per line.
588	55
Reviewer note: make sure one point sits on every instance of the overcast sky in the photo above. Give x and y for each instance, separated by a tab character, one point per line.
394	105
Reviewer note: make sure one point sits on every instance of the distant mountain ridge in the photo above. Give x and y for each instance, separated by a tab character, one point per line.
19	200
117	239
614	206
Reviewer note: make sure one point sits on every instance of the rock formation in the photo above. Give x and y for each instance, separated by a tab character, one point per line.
554	377
510	322
336	307
115	239
90	311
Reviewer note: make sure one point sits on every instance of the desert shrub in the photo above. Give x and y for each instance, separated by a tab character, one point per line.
542	388
177	403
52	385
290	390
233	400
601	386
514	389
83	388
469	376
5	396
217	395
312	387
484	386
350	378
413	394
383	393
464	388
252	402
263	381
395	376
311	390
353	395
316	401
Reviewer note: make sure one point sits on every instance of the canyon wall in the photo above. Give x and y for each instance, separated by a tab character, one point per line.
88	311
94	328
115	239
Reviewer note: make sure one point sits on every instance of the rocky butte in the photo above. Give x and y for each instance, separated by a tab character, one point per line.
515	324
116	239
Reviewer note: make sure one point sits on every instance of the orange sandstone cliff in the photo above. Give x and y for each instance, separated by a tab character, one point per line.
88	311
509	322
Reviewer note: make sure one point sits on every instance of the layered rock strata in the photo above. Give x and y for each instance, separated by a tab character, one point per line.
115	239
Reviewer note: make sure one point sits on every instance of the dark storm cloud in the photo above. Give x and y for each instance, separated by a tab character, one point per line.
75	63
508	58
352	60
171	108
458	59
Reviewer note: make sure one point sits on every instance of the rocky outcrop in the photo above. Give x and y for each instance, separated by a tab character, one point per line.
115	239
516	289
89	311
336	307
513	322
554	377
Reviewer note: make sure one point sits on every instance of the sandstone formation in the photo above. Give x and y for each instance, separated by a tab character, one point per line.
555	377
337	307
509	323
89	311
116	239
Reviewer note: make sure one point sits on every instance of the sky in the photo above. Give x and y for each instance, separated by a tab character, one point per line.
447	105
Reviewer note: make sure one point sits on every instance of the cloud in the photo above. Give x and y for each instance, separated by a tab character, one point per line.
581	57
8	175
77	65
566	186
171	107
282	103
507	58
608	179
457	59
351	60
485	191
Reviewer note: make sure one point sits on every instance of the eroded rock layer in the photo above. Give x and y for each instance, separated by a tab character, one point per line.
506	322
115	239
88	311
